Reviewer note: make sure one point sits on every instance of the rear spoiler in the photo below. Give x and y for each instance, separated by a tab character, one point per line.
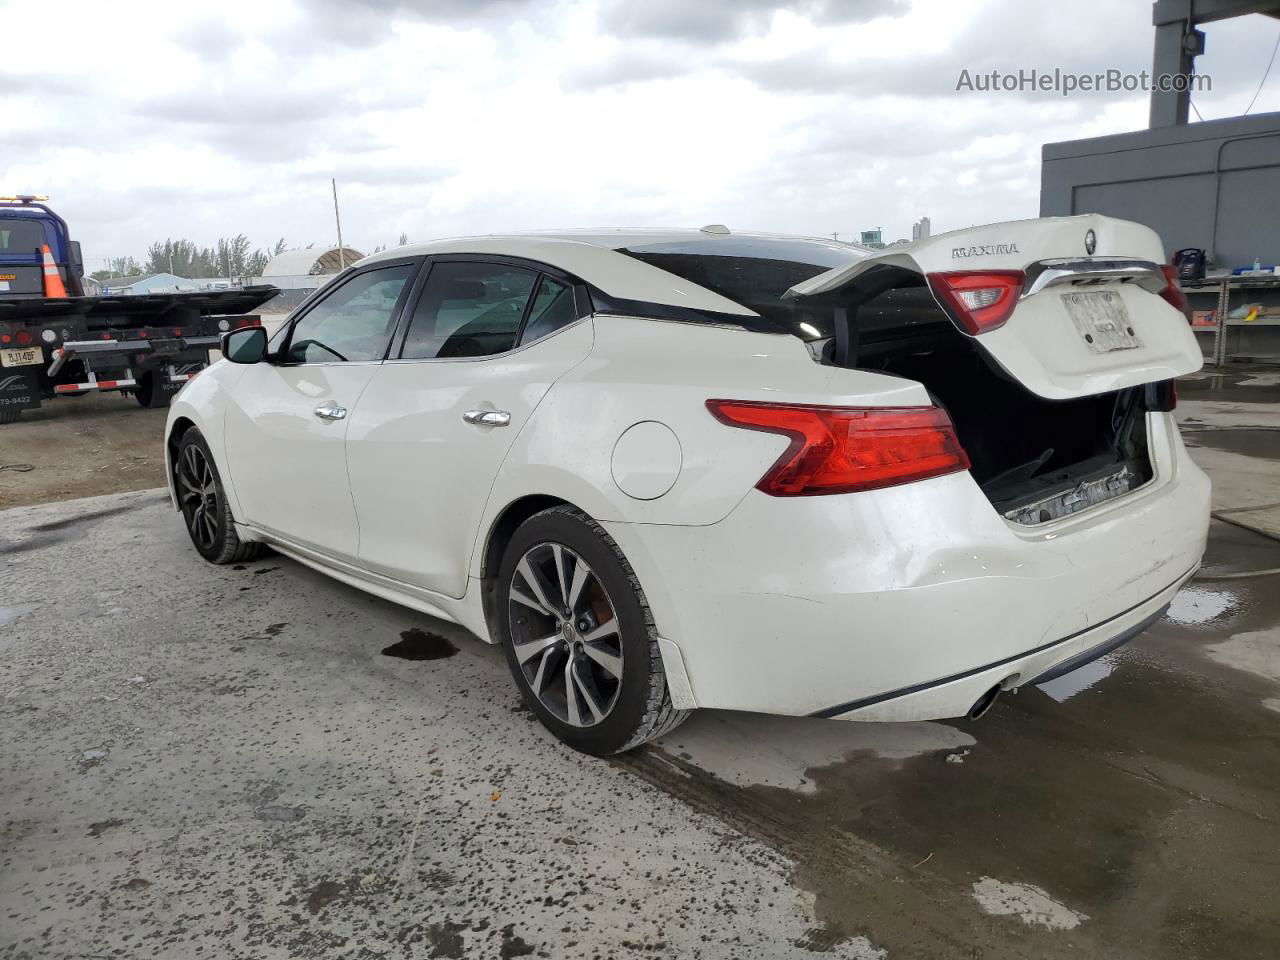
145	308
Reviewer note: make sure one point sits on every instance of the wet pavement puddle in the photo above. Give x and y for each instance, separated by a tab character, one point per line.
1252	387
1068	685
1258	442
1197	604
417	644
1130	809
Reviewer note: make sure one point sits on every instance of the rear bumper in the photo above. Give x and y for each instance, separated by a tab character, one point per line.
954	696
908	603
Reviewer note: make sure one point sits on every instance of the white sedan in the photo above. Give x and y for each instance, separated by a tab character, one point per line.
680	469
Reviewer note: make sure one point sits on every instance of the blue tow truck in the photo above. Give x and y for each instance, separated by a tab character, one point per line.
57	342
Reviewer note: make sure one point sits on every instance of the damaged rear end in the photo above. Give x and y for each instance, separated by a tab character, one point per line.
1048	342
985	486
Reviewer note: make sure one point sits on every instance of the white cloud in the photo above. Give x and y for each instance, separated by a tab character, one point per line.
466	117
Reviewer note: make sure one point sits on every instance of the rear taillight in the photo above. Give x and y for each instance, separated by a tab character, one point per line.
23	337
1172	291
845	449
978	300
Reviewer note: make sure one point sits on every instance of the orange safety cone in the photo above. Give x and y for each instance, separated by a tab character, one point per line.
53	285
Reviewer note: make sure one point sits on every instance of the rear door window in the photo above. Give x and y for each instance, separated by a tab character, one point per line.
468	309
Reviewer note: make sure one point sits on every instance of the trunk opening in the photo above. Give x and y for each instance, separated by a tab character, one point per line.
1036	460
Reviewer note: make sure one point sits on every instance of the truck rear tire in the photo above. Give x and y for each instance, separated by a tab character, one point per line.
10	415
148	392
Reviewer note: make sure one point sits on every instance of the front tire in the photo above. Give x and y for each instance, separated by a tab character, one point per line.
579	636
10	414
203	502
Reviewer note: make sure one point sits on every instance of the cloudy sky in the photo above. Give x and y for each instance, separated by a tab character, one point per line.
444	117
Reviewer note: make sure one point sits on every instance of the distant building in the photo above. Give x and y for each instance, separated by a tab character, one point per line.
311	262
220	283
298	272
151	283
872	239
920	230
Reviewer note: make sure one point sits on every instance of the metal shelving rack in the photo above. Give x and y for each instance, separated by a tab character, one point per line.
1223	288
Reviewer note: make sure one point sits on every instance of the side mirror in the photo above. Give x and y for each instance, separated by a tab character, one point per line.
246	345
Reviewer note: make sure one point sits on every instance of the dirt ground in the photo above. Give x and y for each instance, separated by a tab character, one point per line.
85	446
81	447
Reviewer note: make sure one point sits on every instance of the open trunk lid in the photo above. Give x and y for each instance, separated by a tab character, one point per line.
1087	317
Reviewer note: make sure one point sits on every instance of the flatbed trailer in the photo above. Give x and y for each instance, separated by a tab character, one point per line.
147	345
57	342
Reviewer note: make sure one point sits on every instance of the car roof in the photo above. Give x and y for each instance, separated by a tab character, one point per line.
593	256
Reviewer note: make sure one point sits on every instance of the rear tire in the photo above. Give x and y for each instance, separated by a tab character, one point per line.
580	570
148	392
10	415
203	502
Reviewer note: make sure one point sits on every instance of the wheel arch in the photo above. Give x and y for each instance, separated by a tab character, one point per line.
499	534
173	438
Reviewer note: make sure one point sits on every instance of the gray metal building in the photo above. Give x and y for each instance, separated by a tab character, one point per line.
1213	185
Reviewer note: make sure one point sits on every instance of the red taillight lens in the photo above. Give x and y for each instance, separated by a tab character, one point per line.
1172	292
1162	397
979	300
22	337
845	449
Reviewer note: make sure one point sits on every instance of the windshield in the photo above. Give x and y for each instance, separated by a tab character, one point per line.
21	236
756	272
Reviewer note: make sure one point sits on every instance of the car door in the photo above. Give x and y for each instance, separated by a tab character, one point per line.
483	344
287	420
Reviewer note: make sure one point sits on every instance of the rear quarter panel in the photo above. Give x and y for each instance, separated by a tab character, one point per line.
648	370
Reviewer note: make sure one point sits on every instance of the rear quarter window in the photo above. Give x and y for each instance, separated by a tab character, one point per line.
756	273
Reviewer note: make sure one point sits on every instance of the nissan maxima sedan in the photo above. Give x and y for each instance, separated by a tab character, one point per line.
678	469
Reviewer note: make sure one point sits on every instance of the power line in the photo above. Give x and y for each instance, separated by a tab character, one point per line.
1266	73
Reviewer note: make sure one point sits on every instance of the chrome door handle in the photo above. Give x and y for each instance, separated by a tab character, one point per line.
487	418
331	411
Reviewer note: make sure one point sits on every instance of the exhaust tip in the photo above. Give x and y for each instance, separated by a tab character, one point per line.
984	702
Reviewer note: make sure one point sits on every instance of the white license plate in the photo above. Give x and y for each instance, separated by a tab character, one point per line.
20	358
1102	320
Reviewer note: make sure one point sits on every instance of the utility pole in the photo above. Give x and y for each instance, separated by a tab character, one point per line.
342	255
169	244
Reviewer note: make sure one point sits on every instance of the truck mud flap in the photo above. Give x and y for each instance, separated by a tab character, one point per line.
20	389
173	377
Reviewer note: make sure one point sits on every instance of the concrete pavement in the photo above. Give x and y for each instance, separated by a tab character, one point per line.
260	762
